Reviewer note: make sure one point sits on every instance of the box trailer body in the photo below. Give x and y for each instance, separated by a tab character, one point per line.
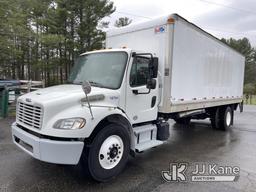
197	69
118	101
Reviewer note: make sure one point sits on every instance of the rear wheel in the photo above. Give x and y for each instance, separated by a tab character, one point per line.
108	153
226	118
222	118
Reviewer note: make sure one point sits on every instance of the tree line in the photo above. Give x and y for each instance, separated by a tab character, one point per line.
39	39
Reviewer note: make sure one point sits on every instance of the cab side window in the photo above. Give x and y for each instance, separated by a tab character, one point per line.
139	71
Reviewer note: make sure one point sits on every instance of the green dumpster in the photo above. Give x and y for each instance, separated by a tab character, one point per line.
5	86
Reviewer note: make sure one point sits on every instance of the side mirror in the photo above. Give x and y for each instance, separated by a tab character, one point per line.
151	84
86	86
154	67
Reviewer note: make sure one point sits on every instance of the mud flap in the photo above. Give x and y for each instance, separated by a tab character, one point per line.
241	106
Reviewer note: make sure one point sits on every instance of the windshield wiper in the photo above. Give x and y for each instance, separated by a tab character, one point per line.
96	84
91	82
77	82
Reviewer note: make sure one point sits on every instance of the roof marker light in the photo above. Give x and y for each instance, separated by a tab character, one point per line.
170	20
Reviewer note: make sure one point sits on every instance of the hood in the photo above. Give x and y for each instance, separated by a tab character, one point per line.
46	106
72	94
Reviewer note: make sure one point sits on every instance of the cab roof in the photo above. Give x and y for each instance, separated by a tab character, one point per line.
128	50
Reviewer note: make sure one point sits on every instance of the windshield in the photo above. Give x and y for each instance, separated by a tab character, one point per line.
100	69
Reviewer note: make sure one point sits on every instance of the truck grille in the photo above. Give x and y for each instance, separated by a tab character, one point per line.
30	115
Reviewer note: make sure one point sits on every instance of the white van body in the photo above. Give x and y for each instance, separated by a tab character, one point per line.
197	69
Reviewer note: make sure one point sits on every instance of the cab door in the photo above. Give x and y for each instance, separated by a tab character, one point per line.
141	102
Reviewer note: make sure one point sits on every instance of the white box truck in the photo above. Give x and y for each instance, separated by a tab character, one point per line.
118	100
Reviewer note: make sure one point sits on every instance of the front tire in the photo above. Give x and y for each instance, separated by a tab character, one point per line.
108	153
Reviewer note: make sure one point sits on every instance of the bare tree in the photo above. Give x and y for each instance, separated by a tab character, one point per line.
123	21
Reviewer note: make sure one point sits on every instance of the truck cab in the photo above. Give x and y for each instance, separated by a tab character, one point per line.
63	125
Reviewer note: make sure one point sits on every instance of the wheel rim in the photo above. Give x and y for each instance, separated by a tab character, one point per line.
228	118
111	152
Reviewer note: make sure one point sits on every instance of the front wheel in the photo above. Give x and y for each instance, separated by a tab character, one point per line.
108	153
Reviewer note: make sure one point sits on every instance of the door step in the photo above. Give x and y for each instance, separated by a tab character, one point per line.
144	128
145	137
147	145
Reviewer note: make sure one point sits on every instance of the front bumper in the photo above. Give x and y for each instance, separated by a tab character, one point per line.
59	152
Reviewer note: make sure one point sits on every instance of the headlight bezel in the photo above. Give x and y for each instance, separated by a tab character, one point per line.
74	123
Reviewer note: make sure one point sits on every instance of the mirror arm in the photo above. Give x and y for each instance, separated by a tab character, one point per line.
86	86
134	54
89	105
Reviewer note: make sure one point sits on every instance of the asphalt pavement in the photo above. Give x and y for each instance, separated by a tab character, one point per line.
195	144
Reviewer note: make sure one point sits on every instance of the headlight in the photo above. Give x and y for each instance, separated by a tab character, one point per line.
71	123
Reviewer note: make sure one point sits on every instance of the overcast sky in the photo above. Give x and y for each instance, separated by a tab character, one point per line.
222	18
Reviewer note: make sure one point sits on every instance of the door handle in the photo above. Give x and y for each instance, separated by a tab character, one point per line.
153	101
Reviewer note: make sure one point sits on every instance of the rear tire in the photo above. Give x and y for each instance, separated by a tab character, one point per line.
215	119
226	118
222	118
108	154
